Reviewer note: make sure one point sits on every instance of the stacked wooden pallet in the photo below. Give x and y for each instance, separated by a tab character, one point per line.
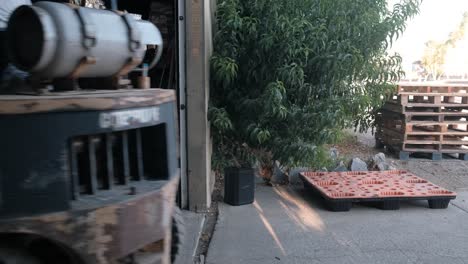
426	118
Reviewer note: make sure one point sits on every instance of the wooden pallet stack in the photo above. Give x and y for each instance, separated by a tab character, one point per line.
425	118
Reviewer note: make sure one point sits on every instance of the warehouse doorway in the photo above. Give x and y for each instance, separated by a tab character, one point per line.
169	73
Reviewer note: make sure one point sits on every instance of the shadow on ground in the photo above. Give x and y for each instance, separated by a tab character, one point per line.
287	224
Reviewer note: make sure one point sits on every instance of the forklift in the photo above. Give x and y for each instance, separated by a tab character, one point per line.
88	162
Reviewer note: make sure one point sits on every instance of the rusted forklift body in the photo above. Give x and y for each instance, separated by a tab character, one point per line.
94	174
88	175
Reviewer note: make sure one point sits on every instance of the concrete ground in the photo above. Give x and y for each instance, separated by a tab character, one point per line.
193	223
286	224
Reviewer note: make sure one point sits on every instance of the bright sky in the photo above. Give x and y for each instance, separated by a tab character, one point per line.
437	18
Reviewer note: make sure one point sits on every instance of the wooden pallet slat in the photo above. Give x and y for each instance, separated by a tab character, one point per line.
425	118
433	87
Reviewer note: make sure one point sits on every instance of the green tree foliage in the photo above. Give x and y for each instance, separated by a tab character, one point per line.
287	75
434	56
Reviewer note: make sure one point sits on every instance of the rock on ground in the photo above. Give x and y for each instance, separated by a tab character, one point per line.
294	174
341	167
379	158
380	162
279	177
358	165
334	153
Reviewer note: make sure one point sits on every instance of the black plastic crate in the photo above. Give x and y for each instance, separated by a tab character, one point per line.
239	186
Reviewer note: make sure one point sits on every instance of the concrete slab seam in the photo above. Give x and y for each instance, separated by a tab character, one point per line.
459	207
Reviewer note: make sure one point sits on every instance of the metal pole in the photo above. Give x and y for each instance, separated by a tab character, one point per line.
114	5
182	105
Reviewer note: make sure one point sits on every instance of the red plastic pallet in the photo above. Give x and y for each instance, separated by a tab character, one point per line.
387	188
